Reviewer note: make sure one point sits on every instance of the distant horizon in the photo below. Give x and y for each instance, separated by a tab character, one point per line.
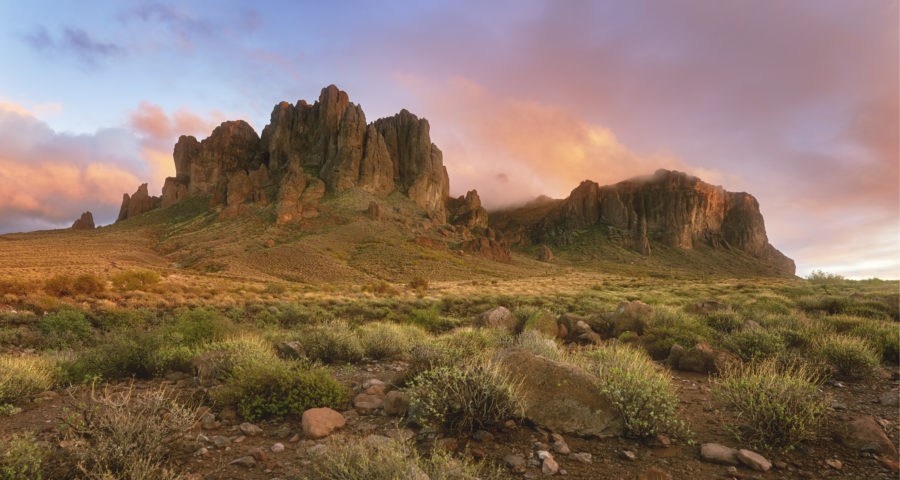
797	104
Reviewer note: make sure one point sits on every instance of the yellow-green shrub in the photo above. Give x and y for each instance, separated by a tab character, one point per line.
21	377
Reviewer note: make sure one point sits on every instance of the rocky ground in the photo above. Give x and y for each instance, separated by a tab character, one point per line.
858	440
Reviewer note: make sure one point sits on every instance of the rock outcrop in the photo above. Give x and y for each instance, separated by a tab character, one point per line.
137	203
467	211
86	222
668	208
308	150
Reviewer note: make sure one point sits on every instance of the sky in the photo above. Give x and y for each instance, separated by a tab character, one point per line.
794	102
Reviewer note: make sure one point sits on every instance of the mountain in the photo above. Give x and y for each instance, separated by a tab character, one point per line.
667	208
321	169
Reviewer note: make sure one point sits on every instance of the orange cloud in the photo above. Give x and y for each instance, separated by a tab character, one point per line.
537	147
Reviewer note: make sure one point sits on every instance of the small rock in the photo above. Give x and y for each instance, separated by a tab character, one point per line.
716	453
865	434
515	462
370	382
240	439
396	403
549	466
482	436
220	441
208	421
583	457
278	447
400	434
663	440
246	461
781	465
258	454
365	403
891	399
201	452
834	463
320	422
250	429
753	460
629	455
891	465
449	444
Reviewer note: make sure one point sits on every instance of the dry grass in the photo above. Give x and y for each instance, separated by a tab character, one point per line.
21	377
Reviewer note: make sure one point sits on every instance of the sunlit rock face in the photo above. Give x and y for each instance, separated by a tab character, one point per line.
306	150
670	208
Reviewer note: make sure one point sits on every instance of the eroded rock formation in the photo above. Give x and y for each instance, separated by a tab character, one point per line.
467	211
85	222
137	203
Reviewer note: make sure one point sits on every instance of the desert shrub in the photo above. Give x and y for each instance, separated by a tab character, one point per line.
882	336
291	315
67	285
198	325
219	358
643	395
752	344
16	287
129	436
465	397
121	354
332	342
538	344
389	460
387	340
64	327
774	406
110	319
134	279
819	277
724	322
382	288
674	328
274	289
846	356
21	458
418	284
430	319
276	388
21	377
471	342
766	305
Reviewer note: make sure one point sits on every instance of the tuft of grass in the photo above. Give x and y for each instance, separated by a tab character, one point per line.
332	342
846	356
773	406
753	344
883	336
381	340
21	377
419	285
539	344
390	460
277	388
134	280
643	395
466	397
129	435
22	458
724	322
199	325
430	319
121	354
670	327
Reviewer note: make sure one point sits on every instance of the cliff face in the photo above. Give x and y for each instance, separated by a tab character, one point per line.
306	150
670	208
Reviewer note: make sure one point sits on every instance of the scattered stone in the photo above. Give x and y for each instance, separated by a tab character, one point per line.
891	465
716	453
201	452
482	436
246	461
278	447
583	457
781	465
515	462
369	383
655	473
258	454
631	317
365	403
864	433
498	317
834	463
559	444
320	422
549	466
662	440
208	421
250	429
754	460
219	441
628	454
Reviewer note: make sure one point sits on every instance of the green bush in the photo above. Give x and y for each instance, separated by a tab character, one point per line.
883	336
752	344
673	328
198	325
135	279
430	319
21	377
724	322
773	406
466	397
64	327
67	285
332	342
643	395
120	354
279	389
846	356
21	458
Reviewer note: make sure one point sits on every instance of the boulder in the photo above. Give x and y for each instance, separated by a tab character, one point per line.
631	317
545	254
320	422
498	317
85	222
716	453
396	403
561	397
753	460
703	358
291	349
864	433
488	248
